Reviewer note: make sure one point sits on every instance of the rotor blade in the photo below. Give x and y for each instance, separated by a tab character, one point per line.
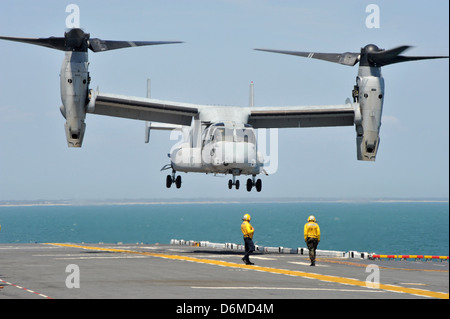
52	42
99	45
401	58
392	53
416	58
346	58
392	56
382	58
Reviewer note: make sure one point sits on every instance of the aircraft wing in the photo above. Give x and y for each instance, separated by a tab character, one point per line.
259	117
303	116
142	109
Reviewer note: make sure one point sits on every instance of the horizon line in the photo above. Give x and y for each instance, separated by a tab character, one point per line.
173	201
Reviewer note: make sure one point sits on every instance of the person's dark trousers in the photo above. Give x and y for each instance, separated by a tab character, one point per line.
312	246
249	248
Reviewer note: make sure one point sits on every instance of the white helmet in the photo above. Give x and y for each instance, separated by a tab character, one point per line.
312	219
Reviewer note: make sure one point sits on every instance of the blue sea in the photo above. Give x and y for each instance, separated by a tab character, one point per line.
380	227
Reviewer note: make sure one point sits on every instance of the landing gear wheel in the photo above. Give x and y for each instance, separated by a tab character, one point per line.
249	185
233	182
178	181
258	185
169	181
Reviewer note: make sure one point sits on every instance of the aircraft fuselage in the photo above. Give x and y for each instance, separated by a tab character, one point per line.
225	148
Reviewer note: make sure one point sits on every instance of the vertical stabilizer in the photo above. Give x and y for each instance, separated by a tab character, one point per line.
252	95
148	124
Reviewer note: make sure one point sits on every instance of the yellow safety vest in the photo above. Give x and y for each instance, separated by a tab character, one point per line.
312	230
247	229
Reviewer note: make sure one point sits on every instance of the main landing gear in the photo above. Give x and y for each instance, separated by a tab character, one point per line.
250	183
233	182
172	179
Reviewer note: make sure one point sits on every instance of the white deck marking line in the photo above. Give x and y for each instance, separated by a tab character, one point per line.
306	264
263	258
103	257
25	289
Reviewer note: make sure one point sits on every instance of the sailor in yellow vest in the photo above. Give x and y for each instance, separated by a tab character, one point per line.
247	231
312	238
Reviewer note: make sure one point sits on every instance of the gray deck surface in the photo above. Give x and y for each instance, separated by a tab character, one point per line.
37	271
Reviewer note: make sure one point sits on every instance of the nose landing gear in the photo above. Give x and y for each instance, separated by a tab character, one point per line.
172	179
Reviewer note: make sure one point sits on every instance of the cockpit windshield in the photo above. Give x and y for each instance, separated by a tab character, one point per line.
246	135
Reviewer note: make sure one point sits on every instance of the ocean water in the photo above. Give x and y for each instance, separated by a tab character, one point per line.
380	227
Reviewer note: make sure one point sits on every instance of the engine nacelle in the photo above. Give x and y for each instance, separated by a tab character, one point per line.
74	96
370	84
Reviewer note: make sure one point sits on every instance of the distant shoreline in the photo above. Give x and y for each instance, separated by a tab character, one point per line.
45	203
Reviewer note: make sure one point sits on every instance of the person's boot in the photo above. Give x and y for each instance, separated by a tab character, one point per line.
247	261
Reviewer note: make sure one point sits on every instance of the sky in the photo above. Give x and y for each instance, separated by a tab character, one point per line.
215	65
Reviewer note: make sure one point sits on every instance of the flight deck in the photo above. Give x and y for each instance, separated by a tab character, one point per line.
183	272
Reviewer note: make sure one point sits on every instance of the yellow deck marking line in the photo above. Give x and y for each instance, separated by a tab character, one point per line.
335	279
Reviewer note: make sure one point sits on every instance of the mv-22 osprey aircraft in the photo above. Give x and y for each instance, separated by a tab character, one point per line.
221	139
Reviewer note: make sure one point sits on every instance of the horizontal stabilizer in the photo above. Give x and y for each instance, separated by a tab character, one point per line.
160	127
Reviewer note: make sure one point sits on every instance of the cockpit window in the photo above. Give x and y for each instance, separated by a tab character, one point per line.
219	135
222	134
